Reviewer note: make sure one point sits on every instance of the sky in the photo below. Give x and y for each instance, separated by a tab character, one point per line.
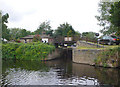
29	14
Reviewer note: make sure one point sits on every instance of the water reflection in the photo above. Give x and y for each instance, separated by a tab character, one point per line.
99	74
56	72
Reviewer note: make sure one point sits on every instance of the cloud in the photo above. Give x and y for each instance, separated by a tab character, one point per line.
30	13
13	14
15	9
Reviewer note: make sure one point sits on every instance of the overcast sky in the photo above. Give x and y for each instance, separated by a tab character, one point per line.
28	14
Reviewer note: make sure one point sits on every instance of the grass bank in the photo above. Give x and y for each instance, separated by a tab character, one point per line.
26	51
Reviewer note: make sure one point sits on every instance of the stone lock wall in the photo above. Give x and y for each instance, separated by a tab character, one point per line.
85	56
88	56
55	54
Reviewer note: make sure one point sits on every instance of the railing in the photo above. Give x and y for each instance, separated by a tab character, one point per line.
94	40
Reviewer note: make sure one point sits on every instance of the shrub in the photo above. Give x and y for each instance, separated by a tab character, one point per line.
8	50
26	51
109	56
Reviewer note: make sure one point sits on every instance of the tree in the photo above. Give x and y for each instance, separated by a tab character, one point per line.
77	33
64	30
16	33
0	14
69	33
0	26
84	34
104	17
109	17
44	27
115	16
77	36
49	32
89	36
5	31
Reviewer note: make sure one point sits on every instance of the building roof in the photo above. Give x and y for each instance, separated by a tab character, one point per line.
28	37
32	36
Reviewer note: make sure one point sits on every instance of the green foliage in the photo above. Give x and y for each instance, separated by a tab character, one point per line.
44	27
77	33
0	13
109	17
29	51
0	26
12	33
111	55
8	50
115	16
5	31
104	18
64	30
89	36
70	33
49	32
16	33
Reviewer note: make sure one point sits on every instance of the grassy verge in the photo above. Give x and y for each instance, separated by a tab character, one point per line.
26	51
89	48
95	47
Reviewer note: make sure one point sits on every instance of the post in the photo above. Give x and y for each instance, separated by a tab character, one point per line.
97	43
97	34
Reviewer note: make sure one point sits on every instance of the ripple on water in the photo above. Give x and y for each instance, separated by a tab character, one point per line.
60	74
25	77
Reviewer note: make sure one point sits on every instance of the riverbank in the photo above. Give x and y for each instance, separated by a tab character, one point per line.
108	58
90	53
27	51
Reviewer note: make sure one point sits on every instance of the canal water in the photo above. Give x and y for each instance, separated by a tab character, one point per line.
61	71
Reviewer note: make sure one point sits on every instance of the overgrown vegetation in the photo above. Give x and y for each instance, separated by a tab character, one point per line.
109	18
29	51
109	57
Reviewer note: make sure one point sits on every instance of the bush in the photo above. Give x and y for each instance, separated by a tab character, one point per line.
9	50
29	51
109	56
